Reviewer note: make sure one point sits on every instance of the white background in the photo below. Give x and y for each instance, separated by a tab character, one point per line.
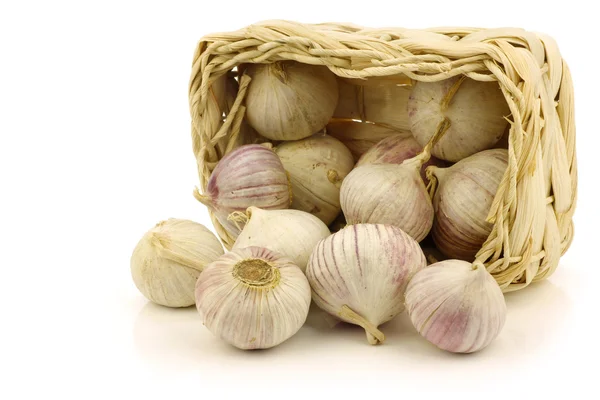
96	148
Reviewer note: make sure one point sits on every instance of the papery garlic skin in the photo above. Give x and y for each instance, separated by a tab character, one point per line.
291	233
388	194
395	150
360	273
317	166
463	200
455	305
476	112
288	100
253	298
251	175
169	258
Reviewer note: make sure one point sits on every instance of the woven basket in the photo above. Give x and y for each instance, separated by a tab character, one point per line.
533	208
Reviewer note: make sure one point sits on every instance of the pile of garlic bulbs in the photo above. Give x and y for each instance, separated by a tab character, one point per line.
331	210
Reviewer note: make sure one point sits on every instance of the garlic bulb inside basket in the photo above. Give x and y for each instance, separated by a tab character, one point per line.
475	110
288	100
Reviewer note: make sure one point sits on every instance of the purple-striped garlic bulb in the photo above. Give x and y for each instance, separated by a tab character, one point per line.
463	200
456	305
360	273
253	298
388	194
251	175
395	150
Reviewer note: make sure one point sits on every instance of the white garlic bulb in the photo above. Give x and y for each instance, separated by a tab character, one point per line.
388	194
462	201
253	298
475	111
169	258
288	100
291	233
359	274
316	165
456	305
251	175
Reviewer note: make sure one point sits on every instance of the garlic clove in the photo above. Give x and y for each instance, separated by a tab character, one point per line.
288	100
395	150
359	274
316	165
251	175
475	110
291	233
253	298
388	194
169	258
455	305
463	198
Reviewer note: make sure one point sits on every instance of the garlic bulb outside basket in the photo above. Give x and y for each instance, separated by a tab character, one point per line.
251	175
388	194
169	258
316	165
455	305
253	298
395	150
463	200
288	100
475	110
359	274
291	233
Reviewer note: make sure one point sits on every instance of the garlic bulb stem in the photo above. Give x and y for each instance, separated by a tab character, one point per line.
374	335
164	252
453	89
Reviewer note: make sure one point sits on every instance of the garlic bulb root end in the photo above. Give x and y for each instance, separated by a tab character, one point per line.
257	273
374	335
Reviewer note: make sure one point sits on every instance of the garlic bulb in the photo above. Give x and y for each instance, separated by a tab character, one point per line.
317	165
457	306
475	110
289	100
253	298
463	200
359	274
251	175
375	100
168	259
358	136
291	233
395	150
388	194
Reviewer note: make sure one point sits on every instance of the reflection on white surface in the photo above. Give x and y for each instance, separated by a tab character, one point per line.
177	337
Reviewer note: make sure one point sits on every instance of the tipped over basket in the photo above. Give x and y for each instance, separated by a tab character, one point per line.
533	208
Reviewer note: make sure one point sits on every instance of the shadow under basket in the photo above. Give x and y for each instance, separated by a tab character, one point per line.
533	208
